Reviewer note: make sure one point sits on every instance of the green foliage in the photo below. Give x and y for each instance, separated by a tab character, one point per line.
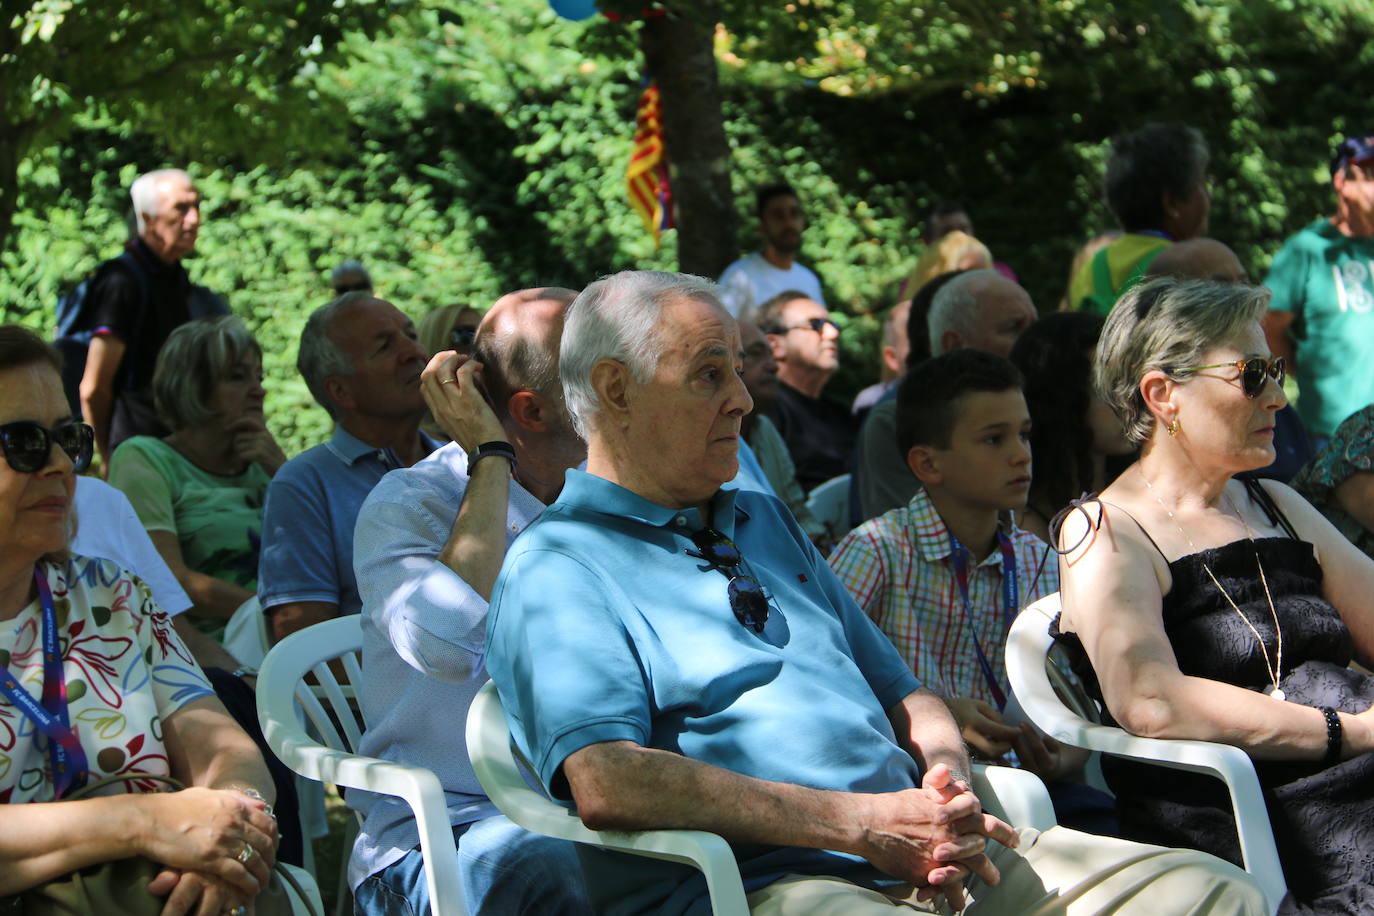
480	146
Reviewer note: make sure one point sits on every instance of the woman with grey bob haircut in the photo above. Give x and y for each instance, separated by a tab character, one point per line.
1202	606
615	318
199	491
1167	326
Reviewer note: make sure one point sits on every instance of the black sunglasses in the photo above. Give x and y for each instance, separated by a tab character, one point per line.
747	600
1253	373
812	324
28	445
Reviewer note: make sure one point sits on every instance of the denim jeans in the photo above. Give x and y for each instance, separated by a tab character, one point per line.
505	871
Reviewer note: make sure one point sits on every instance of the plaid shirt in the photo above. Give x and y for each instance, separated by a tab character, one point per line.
899	569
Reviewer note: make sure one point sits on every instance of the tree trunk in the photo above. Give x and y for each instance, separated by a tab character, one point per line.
679	52
9	202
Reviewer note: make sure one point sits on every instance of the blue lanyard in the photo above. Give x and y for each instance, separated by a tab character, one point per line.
1010	603
64	748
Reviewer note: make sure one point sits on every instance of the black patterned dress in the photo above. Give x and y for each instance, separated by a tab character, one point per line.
1323	817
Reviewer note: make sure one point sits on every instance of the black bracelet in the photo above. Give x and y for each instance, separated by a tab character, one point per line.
495	448
1333	735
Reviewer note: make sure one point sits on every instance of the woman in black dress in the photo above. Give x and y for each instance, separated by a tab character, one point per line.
1220	609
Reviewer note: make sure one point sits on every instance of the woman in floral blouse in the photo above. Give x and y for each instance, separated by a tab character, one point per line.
95	682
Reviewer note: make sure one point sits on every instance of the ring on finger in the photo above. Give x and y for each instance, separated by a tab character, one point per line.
447	381
247	853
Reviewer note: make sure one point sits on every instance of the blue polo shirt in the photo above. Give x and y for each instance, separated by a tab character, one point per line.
308	520
602	628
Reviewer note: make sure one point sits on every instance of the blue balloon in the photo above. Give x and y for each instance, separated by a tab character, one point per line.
576	10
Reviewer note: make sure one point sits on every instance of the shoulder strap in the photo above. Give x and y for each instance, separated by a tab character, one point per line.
1142	528
1262	498
1141	266
91	788
1102	273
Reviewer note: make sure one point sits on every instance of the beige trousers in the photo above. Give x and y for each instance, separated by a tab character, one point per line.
1060	872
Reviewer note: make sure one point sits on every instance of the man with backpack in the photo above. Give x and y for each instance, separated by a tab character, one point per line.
113	326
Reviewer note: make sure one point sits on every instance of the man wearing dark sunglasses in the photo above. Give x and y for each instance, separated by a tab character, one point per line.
1321	318
819	432
672	653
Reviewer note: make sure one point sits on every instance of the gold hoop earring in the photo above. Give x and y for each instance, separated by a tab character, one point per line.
1173	427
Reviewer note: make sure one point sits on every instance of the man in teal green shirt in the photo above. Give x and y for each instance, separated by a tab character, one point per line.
1323	285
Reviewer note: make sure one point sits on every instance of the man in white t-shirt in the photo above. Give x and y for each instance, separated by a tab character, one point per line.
758	277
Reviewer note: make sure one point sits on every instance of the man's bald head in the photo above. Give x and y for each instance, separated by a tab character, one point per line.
517	344
1199	259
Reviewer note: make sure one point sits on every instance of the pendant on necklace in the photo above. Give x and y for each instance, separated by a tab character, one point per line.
1278	694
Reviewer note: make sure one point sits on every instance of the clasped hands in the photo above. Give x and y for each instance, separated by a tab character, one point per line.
451	388
218	846
934	836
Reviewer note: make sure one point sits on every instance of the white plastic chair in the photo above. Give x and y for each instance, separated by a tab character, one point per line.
1014	795
829	503
1029	642
282	689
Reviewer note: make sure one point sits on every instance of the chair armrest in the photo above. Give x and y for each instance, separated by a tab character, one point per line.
488	741
1016	796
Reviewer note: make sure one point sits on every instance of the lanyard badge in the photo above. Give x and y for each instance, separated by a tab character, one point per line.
959	557
68	760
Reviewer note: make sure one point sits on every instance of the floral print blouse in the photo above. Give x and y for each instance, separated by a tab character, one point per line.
126	671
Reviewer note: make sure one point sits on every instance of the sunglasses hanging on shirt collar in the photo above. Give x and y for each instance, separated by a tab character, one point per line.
747	600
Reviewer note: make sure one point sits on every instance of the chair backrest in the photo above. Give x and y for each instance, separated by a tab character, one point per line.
829	503
283	689
494	762
1028	645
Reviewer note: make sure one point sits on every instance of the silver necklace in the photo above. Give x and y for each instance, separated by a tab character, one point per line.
1275	669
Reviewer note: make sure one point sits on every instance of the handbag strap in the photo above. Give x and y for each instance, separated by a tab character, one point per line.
90	789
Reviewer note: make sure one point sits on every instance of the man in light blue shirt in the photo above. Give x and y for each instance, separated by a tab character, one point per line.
361	360
672	654
429	542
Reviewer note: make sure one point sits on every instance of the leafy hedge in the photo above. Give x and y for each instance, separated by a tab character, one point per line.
488	144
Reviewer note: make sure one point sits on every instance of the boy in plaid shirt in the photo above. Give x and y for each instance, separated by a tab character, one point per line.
944	575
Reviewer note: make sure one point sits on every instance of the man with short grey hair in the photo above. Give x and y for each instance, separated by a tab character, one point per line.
360	359
674	654
979	309
133	304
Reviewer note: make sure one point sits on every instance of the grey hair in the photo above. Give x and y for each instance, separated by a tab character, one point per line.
955	307
146	192
319	355
197	357
352	269
617	318
1166	324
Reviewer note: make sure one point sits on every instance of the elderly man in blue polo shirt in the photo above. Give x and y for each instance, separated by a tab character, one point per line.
672	654
361	360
